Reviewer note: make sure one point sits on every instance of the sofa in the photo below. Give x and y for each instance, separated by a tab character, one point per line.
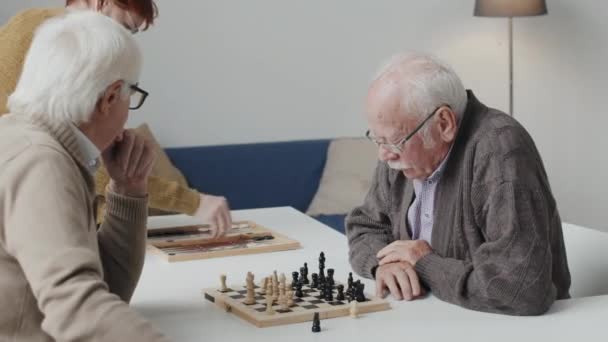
323	178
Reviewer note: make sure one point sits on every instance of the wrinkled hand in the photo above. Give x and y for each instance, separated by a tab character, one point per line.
399	279
129	163
409	251
214	210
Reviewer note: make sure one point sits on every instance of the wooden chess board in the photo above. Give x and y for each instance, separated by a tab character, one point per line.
194	241
302	311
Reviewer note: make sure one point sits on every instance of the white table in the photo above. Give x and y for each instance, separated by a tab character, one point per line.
169	294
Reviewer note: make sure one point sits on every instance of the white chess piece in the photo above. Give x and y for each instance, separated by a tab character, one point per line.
223	281
354	310
289	295
250	290
263	286
269	309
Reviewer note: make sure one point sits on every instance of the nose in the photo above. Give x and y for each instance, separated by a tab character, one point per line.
385	154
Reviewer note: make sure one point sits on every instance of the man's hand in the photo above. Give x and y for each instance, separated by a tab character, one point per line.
409	251
399	279
215	211
129	162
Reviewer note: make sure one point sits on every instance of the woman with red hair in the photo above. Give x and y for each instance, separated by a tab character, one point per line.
134	15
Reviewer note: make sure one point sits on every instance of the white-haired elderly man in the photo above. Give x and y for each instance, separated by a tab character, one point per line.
63	278
460	202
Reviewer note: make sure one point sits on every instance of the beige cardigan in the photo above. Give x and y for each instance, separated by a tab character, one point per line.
62	278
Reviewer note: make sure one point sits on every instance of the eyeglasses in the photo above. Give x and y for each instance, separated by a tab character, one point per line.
397	147
138	96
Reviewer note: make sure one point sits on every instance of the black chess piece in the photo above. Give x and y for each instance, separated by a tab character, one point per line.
360	295
299	292
330	276
329	295
316	323
303	275
306	268
294	279
350	280
340	295
315	281
322	258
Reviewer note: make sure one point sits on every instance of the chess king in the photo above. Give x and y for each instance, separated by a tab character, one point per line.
460	201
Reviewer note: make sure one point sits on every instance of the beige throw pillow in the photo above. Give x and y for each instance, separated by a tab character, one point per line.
346	177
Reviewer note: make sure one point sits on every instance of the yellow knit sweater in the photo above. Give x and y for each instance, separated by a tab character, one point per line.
15	39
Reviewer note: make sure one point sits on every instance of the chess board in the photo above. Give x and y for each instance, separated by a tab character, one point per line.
302	311
194	241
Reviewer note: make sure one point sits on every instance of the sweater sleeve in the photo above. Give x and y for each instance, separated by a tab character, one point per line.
122	243
50	235
163	194
515	213
368	227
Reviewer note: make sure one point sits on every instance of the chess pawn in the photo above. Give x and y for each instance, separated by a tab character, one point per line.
263	286
340	295
303	275
269	309
316	323
223	288
354	310
294	279
289	295
315	281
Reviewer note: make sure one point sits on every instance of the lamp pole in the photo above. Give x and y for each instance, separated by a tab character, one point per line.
511	66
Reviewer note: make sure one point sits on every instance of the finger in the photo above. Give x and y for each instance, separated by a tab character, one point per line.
146	168
125	148
404	284
214	227
388	249
136	155
414	281
392	286
392	257
221	228
227	217
379	285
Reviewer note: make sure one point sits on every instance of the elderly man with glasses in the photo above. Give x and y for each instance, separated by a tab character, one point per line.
63	277
460	201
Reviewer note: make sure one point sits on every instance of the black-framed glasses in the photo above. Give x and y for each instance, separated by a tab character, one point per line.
138	97
397	147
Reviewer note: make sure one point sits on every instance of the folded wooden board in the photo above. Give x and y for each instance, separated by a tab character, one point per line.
195	241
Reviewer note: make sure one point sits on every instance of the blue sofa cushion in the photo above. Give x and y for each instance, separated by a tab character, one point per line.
255	175
334	221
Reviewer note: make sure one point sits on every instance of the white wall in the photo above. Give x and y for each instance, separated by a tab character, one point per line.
245	71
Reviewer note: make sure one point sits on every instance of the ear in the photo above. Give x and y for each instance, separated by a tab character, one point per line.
447	124
109	98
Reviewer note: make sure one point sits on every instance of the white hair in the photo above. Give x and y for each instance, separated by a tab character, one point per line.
71	62
424	83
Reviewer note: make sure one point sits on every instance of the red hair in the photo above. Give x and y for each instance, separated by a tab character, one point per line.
146	9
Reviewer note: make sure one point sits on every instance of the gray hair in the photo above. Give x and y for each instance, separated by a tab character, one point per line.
71	61
424	83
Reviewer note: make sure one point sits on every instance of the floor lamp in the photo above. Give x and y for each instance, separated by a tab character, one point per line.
510	9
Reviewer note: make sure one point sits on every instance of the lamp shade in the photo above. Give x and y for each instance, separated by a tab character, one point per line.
509	8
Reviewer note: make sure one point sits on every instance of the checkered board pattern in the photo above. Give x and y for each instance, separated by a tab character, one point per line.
302	311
